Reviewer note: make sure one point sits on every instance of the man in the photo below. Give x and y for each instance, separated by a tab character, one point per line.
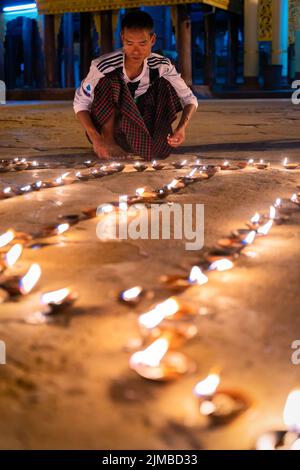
130	97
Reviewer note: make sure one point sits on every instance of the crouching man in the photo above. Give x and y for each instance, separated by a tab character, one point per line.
130	97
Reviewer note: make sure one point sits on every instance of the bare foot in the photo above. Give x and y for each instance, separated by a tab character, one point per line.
108	148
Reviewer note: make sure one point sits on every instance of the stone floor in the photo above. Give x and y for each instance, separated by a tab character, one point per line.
68	384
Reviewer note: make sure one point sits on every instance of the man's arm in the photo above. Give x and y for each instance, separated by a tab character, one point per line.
178	135
97	140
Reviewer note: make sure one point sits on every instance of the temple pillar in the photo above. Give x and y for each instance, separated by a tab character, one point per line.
49	44
68	50
106	35
209	47
251	57
280	15
184	43
85	43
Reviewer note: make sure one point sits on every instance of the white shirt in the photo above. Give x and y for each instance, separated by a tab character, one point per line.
114	60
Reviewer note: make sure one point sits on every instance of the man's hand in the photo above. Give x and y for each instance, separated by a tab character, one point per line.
177	137
99	147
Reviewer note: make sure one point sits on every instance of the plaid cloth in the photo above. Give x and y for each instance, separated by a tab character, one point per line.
141	128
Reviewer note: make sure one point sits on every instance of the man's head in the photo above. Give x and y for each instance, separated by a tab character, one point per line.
137	35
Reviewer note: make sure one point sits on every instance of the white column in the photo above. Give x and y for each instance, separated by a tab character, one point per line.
251	39
280	26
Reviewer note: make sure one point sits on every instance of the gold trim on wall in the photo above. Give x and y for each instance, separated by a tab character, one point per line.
73	6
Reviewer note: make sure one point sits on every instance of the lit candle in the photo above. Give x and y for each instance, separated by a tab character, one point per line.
6	238
131	296
157	165
144	195
288	439
179	282
289	166
220	406
138	166
261	165
157	362
58	300
15	285
179	164
221	265
82	176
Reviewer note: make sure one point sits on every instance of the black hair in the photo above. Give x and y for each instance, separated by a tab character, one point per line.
137	19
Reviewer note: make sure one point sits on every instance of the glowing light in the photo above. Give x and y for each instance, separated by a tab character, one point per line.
249	239
131	294
255	218
62	228
27	6
30	279
291	414
197	276
6	238
152	355
155	316
264	229
208	386
221	265
13	254
56	296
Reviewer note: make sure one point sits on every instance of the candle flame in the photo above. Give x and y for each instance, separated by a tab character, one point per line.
30	279
154	162
226	163
56	296
62	228
7	190
221	265
251	161
249	239
131	294
261	161
191	173
272	212
38	184
140	191
13	254
197	276
255	218
152	355
285	161
26	188
266	442
6	238
294	198
162	310
208	386
291	414
277	202
105	209
172	184
184	162
264	229
295	445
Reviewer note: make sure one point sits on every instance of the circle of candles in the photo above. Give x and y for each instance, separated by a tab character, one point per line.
289	166
157	165
138	166
179	164
157	362
131	296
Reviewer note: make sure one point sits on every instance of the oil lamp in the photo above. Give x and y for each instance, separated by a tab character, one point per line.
179	164
158	362
219	405
131	296
15	285
177	282
261	165
289	166
285	439
138	166
157	165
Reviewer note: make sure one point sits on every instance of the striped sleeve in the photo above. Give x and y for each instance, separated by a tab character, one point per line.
84	94
185	94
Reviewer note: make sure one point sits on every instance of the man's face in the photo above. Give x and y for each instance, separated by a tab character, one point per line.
137	44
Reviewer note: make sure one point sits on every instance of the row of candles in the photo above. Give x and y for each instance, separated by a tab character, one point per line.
165	327
67	178
14	285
